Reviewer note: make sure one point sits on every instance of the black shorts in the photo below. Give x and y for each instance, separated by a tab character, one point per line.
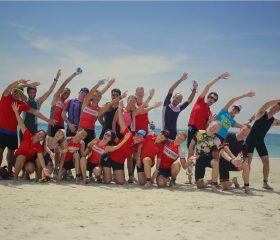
224	168
164	172
54	129
48	160
106	161
259	145
140	169
200	165
31	160
69	133
191	133
68	165
221	138
90	136
91	166
8	140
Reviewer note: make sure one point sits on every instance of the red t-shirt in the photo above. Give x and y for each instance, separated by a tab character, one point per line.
150	148
170	154
69	155
88	116
96	153
125	151
57	113
8	119
200	114
142	122
27	148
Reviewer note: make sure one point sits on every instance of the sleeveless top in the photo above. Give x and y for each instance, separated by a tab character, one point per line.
30	120
88	116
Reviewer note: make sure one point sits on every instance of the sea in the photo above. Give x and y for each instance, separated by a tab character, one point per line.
272	140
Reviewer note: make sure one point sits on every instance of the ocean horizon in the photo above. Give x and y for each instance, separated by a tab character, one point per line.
272	140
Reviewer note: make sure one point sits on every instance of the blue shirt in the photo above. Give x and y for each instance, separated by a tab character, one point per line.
227	121
170	115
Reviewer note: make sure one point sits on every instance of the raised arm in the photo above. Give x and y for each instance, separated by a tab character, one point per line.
63	85
175	85
140	109
233	100
123	141
276	122
108	85
41	116
264	107
194	90
210	84
13	85
91	92
145	110
44	97
21	124
120	117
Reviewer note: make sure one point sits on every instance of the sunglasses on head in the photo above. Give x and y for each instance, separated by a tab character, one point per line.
108	134
213	98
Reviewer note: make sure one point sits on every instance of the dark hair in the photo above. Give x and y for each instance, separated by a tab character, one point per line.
67	89
278	103
116	90
31	88
113	137
165	133
213	93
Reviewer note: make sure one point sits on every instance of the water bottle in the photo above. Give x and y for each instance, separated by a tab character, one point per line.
79	70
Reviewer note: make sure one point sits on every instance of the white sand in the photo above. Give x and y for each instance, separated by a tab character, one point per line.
31	210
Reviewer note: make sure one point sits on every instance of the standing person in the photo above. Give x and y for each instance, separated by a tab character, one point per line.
227	118
106	119
141	121
30	120
8	121
171	110
30	150
167	163
264	120
115	160
57	104
234	145
208	150
201	110
91	110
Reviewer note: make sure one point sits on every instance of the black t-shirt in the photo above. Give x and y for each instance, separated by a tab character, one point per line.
234	145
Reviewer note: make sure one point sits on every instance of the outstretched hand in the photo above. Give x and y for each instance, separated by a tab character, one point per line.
184	76
157	104
34	84
152	92
250	94
195	85
58	74
224	75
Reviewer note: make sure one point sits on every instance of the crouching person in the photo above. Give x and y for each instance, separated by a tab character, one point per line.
234	146
167	163
208	150
30	151
70	157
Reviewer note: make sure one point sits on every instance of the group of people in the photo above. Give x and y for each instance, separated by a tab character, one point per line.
125	135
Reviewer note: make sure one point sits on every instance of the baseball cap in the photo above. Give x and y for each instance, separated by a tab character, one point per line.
84	91
238	106
142	132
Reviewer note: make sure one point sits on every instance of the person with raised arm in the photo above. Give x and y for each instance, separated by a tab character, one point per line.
30	120
91	110
201	112
95	150
30	152
8	122
227	118
171	110
264	120
58	101
115	160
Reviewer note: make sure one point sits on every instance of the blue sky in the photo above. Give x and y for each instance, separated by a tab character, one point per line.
146	43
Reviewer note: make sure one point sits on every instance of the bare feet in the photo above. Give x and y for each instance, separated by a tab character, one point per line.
214	188
172	183
235	182
131	179
266	186
247	190
148	184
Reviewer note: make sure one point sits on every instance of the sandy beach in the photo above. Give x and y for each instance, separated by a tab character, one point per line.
32	210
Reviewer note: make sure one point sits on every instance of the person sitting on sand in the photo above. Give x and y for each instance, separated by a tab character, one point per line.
234	144
264	120
70	157
30	151
148	150
167	163
208	150
95	149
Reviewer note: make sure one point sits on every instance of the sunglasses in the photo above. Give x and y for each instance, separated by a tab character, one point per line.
213	98
108	134
139	136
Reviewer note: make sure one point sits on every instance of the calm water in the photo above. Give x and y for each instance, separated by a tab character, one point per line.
272	141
